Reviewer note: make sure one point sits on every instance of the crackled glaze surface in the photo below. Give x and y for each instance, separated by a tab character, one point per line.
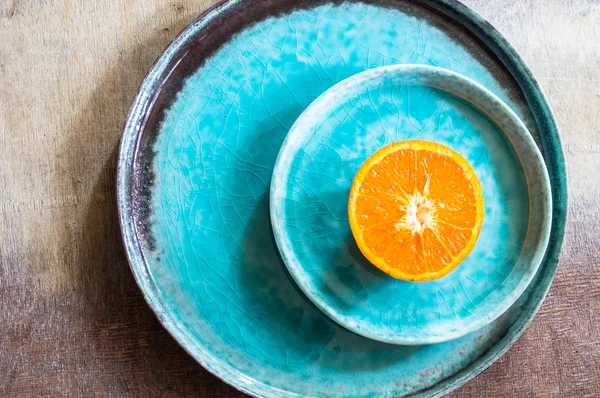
334	137
204	253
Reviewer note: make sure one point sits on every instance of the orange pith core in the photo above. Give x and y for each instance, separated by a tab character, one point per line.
416	209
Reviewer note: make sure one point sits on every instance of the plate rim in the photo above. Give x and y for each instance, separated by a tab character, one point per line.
458	13
345	88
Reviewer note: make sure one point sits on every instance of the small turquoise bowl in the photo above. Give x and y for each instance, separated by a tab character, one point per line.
311	183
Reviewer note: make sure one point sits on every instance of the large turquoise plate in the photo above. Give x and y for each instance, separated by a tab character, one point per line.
336	134
194	170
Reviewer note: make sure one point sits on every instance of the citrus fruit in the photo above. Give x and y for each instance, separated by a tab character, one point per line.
416	209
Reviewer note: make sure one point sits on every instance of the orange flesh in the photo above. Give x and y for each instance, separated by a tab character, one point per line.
416	209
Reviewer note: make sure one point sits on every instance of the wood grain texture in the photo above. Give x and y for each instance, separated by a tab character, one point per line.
72	320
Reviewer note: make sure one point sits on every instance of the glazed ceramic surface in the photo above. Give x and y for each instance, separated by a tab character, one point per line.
195	166
311	184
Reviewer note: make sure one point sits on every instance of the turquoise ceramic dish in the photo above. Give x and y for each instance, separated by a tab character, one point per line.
311	183
195	165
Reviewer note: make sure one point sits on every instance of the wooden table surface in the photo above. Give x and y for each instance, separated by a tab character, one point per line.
72	320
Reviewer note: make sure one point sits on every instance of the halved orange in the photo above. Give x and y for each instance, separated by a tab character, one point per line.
416	209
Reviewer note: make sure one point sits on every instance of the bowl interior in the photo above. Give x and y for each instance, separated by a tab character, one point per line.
311	184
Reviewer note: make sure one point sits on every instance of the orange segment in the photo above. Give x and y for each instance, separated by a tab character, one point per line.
416	209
